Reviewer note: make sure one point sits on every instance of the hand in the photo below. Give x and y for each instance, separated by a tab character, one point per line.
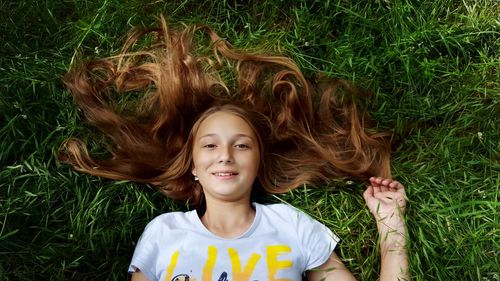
386	200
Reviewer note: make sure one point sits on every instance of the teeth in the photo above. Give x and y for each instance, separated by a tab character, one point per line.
223	174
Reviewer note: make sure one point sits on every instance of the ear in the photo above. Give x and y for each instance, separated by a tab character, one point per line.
193	171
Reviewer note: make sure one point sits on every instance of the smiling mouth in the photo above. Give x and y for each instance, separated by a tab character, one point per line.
224	174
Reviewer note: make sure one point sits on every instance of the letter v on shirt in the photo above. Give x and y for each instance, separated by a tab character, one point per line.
281	244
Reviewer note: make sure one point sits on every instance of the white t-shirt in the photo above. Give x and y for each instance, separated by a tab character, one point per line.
281	244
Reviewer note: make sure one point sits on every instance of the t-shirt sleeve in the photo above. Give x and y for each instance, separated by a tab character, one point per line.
317	240
146	252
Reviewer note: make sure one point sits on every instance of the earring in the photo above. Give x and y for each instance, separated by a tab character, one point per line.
195	178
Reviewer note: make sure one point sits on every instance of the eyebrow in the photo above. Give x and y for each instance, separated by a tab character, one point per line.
236	136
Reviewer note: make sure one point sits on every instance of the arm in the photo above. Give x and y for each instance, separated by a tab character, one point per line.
386	200
332	269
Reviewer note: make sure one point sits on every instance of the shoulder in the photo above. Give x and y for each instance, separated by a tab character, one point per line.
278	209
275	206
283	212
170	221
282	209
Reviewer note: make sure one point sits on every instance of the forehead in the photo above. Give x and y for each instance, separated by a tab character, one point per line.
225	124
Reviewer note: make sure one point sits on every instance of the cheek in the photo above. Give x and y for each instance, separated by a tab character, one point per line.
255	163
202	159
196	161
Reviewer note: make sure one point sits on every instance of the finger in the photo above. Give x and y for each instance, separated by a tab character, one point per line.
401	189
373	181
384	188
378	180
386	182
393	186
396	184
376	189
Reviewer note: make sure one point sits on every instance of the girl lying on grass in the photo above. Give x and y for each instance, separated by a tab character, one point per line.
217	130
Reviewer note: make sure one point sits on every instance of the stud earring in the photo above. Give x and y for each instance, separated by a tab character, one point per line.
195	178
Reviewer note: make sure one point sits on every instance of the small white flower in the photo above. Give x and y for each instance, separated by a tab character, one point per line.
480	135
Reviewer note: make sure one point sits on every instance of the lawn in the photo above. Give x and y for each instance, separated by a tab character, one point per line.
434	69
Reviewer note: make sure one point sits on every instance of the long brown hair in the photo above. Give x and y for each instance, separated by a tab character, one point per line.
147	103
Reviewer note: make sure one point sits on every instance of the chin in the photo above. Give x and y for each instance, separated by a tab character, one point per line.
230	196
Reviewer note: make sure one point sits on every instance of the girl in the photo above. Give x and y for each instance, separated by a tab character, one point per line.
201	139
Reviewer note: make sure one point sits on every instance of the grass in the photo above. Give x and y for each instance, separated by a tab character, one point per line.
433	66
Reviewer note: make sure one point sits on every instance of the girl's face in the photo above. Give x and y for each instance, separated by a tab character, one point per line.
226	157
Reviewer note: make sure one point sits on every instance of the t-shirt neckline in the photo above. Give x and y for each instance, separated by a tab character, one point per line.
248	232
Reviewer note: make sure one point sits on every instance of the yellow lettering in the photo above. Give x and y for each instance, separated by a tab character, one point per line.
209	265
273	264
244	275
171	266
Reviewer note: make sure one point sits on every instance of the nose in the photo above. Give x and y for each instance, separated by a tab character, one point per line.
226	155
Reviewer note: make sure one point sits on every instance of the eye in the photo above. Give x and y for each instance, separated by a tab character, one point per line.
210	146
242	146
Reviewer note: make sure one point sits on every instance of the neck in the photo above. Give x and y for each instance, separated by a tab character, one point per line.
228	219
